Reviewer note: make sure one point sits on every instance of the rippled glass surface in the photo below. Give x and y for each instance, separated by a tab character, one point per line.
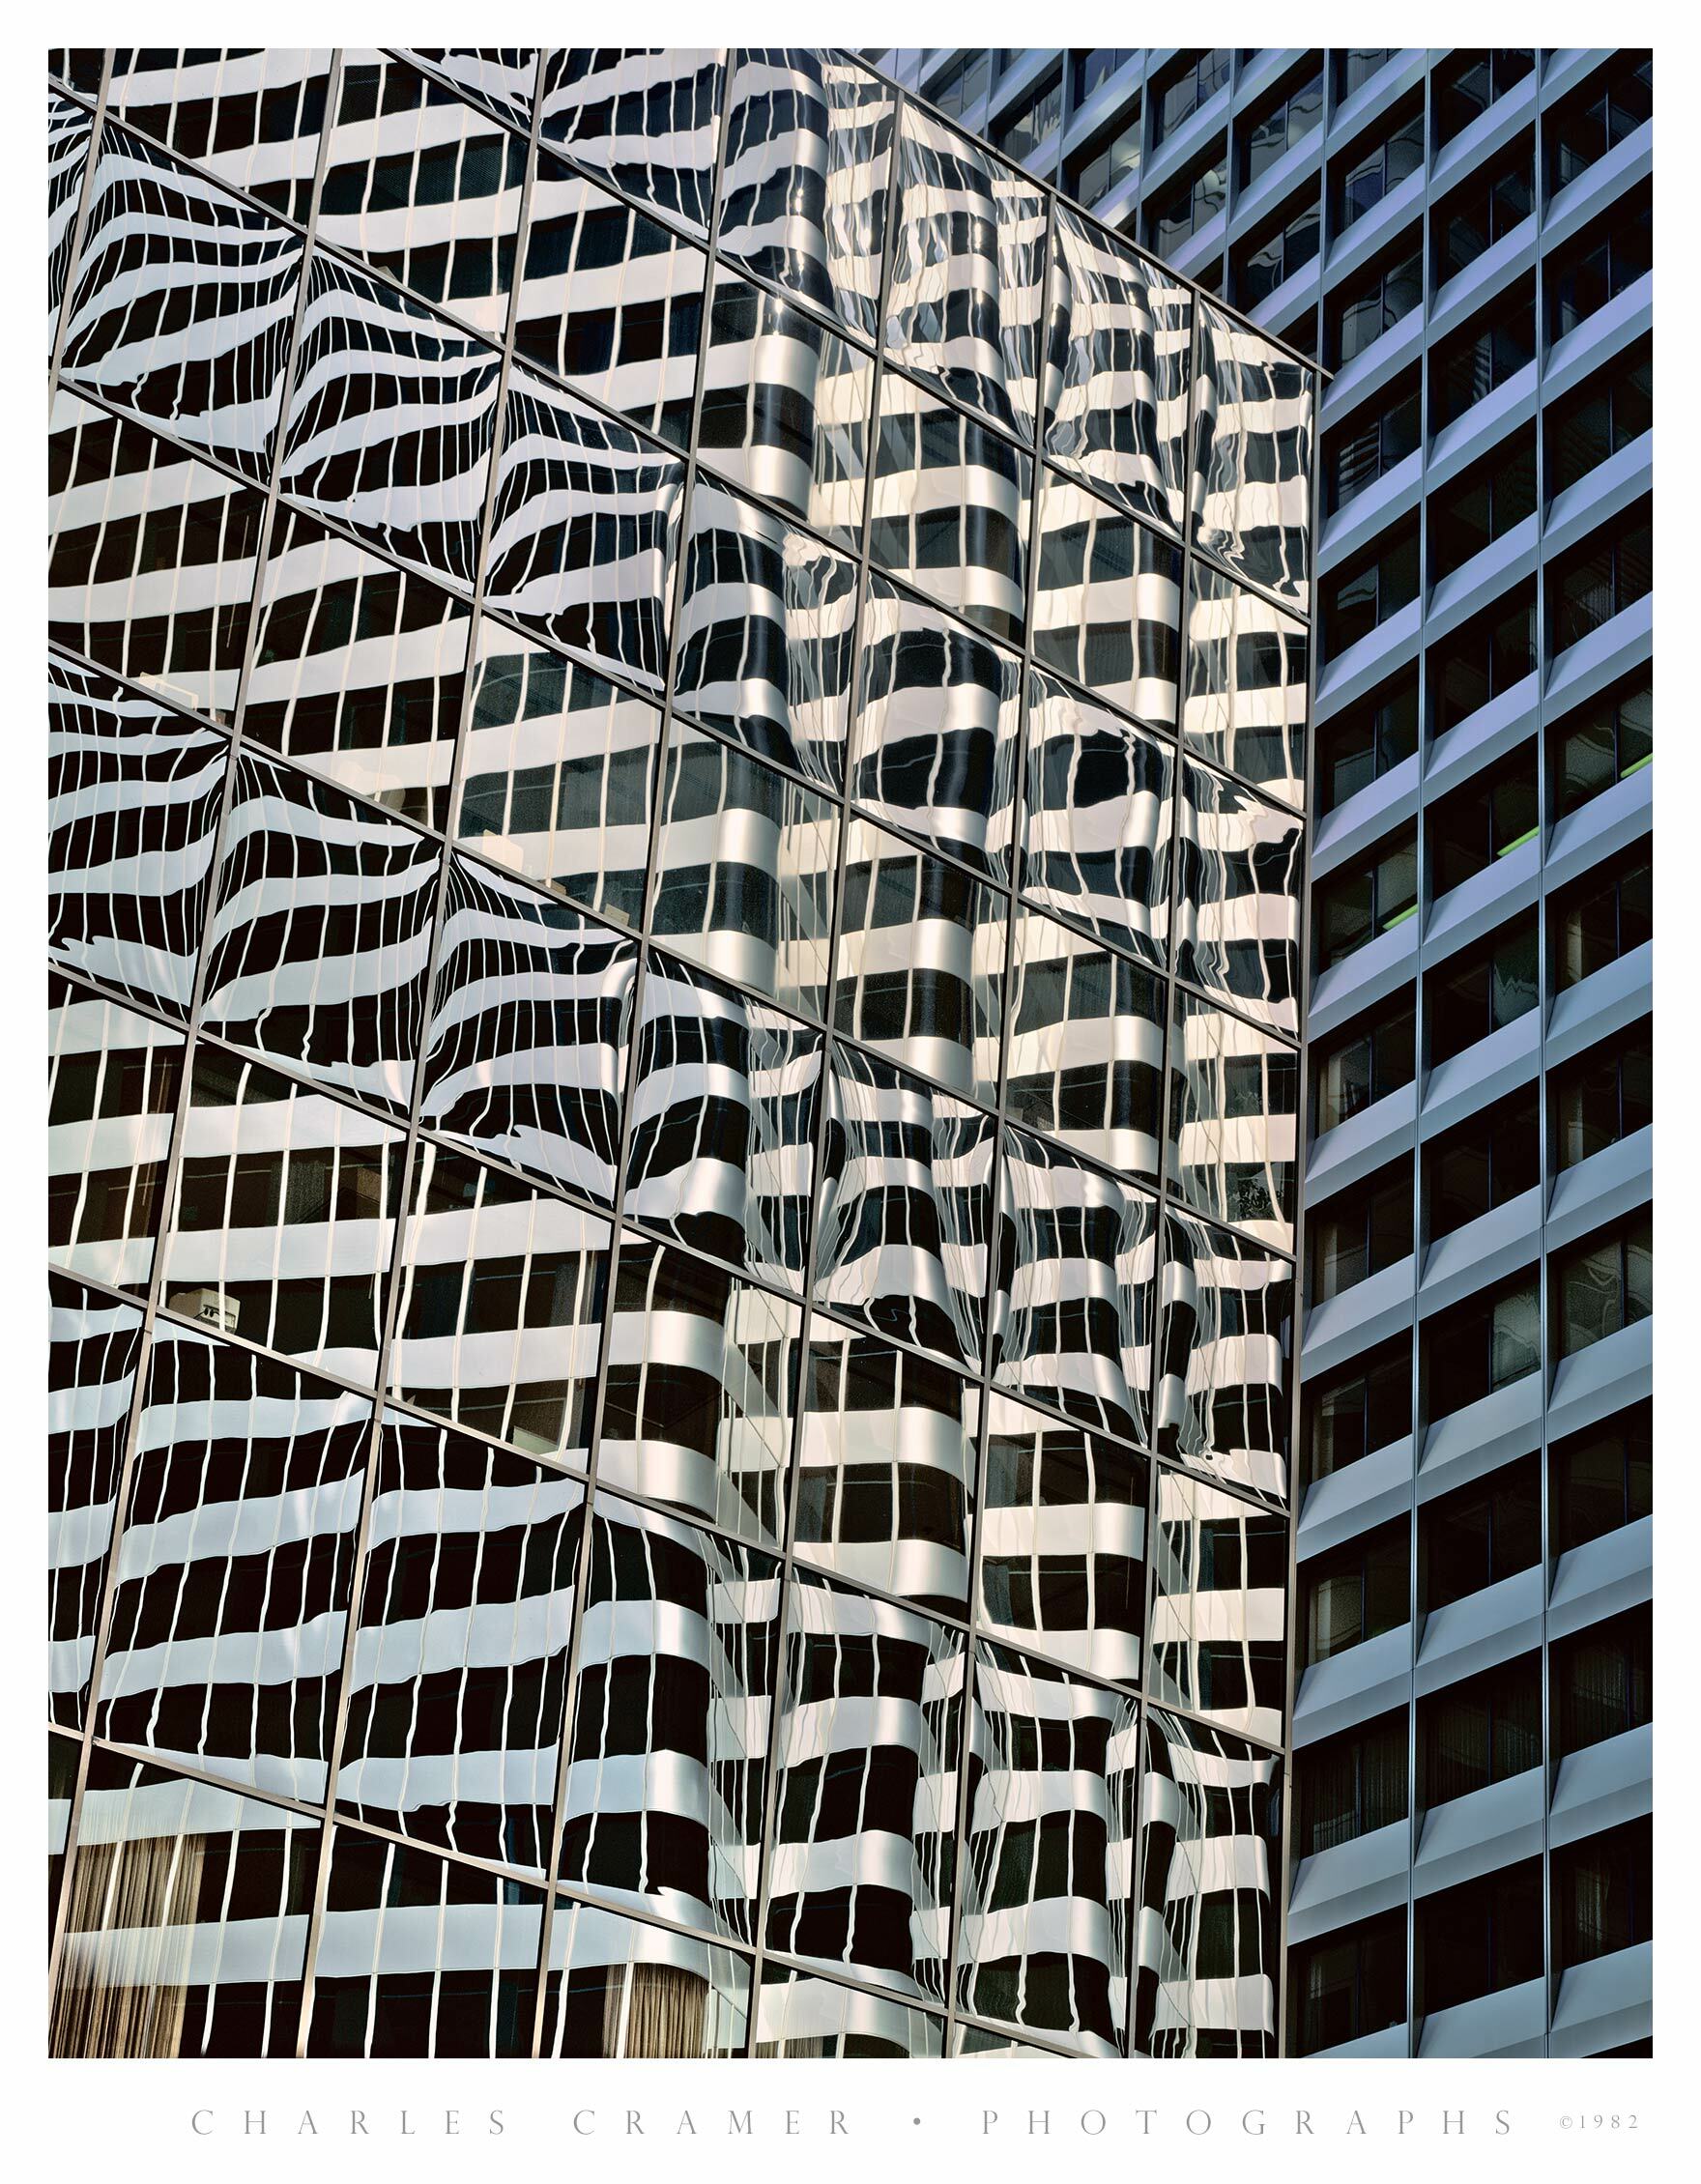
646	118
235	1568
558	774
949	508
785	408
422	1956
498	1325
966	281
1098	818
1219	1607
936	721
1252	456
903	1229
701	1389
458	1678
668	1759
1210	1824
1237	910
162	249
1085	1051
1063	1541
1107	602
802	2018
69	132
744	868
1234	1120
584	531
423	188
530	1016
611	302
723	1121
616	1987
252	115
112	1083
1223	1395
867	1791
94	1346
1049	1853
920	967
804	198
186	1927
412	485
133	795
1075	1297
284	1217
1247	664
359	670
885	1468
766	635
1116	408
677	730
150	558
318	942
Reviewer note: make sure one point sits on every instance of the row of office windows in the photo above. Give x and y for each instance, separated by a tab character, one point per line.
1468	220
1602	1096
1602	741
1586	585
1603	916
1471	1349
1599	1481
1474	1939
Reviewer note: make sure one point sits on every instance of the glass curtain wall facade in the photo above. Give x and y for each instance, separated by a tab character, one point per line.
1462	237
679	741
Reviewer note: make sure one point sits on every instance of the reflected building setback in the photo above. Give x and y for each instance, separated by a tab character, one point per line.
678	739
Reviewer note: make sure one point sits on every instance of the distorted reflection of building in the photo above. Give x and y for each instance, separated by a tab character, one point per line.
678	756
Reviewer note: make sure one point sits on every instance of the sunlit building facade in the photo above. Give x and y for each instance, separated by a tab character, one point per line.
679	713
1461	238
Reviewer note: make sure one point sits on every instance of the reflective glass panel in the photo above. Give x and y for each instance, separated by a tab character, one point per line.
785	408
610	301
723	1123
423	188
902	1228
359	670
1048	1882
234	1567
162	249
1063	1541
559	775
866	1799
1077	1277
921	961
112	1083
668	1763
1097	819
1085	1056
531	1019
936	722
701	1389
1246	685
1117	405
744	867
457	1681
1237	912
1107	603
318	943
285	1214
500	1322
885	1469
1218	1606
1223	1394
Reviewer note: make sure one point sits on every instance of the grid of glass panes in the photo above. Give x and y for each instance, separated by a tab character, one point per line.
676	938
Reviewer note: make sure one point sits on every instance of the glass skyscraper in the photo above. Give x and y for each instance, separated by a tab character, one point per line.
1462	239
680	728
